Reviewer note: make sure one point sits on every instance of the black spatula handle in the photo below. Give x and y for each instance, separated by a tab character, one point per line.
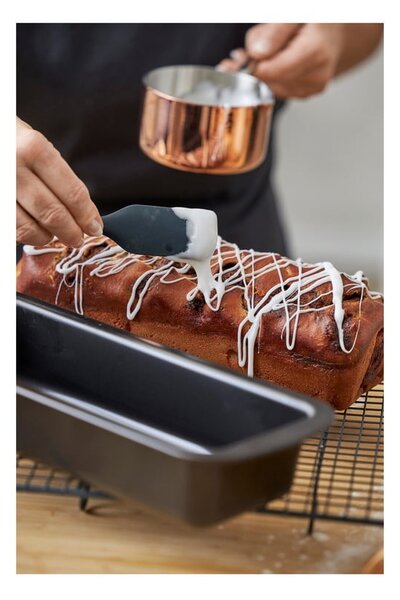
142	229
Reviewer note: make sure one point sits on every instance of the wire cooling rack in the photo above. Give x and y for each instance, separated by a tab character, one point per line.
339	472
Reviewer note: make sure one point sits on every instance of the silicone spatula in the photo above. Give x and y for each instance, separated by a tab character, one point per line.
186	233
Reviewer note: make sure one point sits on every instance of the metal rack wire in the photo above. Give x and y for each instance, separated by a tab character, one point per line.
339	473
34	476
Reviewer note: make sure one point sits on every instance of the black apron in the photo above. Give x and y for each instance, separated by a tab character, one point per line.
80	85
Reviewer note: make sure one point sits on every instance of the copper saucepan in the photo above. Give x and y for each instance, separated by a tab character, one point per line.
203	120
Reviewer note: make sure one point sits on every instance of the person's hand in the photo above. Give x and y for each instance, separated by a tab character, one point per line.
295	60
51	199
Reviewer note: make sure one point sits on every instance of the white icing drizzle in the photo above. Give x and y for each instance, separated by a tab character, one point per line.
201	231
228	269
33	251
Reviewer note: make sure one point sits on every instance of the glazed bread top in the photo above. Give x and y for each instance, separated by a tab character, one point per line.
305	309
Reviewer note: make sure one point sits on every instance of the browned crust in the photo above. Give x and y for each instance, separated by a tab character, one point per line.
316	366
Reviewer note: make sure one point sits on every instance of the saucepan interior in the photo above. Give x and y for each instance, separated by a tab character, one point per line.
208	87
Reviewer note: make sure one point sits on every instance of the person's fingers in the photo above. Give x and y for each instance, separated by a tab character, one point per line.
44	207
237	60
296	59
290	64
266	39
41	156
311	82
228	65
29	231
240	56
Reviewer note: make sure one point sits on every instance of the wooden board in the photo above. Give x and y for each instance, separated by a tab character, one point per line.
53	536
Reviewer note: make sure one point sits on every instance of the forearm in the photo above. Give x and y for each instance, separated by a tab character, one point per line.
359	41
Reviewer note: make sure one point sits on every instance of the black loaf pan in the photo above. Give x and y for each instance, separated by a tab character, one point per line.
143	422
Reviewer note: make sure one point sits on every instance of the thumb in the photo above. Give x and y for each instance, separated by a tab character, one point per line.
265	40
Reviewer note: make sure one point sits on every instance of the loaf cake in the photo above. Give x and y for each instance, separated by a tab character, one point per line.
303	326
